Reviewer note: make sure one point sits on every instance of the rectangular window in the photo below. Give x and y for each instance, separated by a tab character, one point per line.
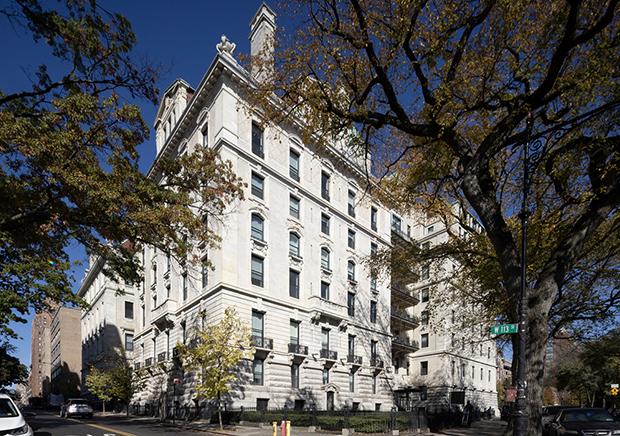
424	272
204	272
295	375
258	185
351	239
424	297
351	345
351	204
374	248
294	332
481	374
430	229
258	325
325	258
293	282
462	370
424	340
262	403
452	366
293	165
324	339
373	312
397	223
205	137
325	290
424	368
373	218
489	375
128	310
325	185
257	228
257	140
325	224
294	207
351	381
488	352
168	262
325	376
184	285
424	317
473	372
351	303
374	388
257	370
129	341
373	351
373	282
257	270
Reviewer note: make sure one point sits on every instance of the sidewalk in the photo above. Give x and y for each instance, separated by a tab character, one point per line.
493	427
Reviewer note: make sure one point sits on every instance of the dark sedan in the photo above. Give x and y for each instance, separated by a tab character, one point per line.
584	422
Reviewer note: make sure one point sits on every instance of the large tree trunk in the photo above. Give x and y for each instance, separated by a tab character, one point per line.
538	333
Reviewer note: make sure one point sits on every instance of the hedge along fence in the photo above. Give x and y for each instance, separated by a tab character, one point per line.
361	421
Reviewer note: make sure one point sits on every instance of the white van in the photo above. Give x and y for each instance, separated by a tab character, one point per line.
12	421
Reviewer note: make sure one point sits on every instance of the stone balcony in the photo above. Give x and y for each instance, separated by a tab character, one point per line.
322	308
162	314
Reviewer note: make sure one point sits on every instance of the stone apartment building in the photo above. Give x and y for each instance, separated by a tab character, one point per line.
40	357
107	328
455	359
331	335
66	356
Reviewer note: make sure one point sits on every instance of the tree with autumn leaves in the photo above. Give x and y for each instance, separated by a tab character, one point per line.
216	355
444	96
69	166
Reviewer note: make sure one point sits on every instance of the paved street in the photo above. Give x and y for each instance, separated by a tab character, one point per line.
46	424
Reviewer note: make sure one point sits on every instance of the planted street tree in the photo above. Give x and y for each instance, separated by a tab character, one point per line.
445	96
216	356
99	383
69	166
12	371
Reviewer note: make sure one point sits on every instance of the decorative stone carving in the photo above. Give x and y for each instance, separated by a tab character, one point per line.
225	46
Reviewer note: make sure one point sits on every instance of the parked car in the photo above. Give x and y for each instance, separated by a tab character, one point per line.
12	421
76	407
584	422
550	412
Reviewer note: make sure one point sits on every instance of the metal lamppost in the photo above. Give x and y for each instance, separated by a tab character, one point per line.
520	416
533	149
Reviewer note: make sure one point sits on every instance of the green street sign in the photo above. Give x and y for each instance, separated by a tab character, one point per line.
505	329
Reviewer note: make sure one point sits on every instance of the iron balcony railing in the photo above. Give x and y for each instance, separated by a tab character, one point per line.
405	293
298	349
329	354
405	342
376	362
404	316
262	342
399	232
355	360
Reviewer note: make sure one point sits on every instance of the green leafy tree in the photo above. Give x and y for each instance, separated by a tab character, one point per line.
443	96
99	383
12	371
216	356
69	165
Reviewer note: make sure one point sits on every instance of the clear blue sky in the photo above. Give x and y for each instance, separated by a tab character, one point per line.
180	36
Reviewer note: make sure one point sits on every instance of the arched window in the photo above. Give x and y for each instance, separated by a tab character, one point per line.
325	258
258	226
351	271
293	244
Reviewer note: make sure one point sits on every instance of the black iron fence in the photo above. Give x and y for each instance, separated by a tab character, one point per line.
362	421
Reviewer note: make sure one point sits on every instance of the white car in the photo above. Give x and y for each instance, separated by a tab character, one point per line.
12	421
